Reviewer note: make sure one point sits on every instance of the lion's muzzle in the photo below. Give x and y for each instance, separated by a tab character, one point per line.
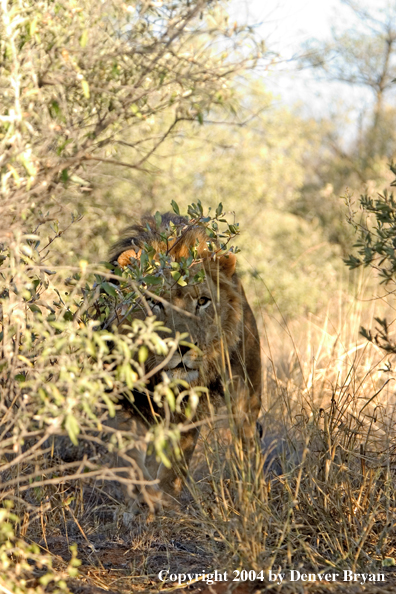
184	364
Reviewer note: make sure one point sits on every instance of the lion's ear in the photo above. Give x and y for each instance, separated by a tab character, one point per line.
228	263
125	258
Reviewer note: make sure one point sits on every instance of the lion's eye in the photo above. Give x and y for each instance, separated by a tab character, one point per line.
203	301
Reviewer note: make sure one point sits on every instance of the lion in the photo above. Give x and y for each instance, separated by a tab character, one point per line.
223	347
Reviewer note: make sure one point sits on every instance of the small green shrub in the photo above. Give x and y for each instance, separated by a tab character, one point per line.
376	249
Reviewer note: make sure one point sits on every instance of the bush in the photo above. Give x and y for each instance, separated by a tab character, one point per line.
376	243
74	79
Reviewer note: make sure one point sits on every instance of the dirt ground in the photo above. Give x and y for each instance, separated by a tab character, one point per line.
119	566
121	559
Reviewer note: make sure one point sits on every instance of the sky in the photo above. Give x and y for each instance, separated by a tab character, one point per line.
285	25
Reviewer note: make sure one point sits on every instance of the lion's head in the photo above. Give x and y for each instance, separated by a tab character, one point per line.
209	310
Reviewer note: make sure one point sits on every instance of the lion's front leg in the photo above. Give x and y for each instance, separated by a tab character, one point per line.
138	483
171	479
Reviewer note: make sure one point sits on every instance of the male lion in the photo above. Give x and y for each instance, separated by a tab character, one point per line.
220	326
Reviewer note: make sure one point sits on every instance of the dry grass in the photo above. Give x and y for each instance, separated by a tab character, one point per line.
318	493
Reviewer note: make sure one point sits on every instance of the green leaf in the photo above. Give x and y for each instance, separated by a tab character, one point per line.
34	308
73	428
143	354
33	26
85	88
106	265
158	219
171	399
153	280
143	260
178	278
64	175
175	275
200	276
135	110
68	316
110	290
110	405
55	110
84	38
175	207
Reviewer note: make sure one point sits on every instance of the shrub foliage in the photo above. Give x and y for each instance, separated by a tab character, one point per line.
376	243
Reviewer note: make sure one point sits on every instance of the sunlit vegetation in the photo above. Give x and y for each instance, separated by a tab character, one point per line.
110	109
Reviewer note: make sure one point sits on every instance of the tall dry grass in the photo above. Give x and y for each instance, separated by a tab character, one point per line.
319	491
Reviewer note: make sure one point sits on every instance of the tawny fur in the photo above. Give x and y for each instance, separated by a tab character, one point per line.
223	328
